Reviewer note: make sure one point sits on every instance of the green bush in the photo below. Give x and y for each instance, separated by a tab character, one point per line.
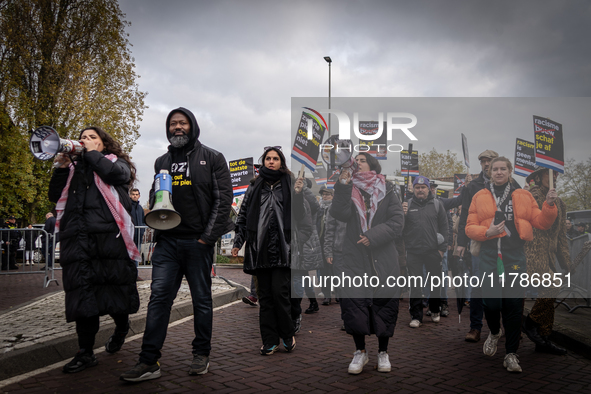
222	259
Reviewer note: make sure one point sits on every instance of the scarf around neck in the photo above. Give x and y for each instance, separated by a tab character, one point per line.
374	185
499	201
120	214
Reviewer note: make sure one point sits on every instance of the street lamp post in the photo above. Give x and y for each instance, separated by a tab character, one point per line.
329	61
330	170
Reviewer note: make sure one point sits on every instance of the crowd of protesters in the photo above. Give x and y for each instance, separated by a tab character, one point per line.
364	226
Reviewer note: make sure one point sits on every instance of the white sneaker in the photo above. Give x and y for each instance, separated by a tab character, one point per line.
27	263
414	323
511	362
384	362
359	360
490	345
435	317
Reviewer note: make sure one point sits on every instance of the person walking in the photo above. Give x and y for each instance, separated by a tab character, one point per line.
374	217
463	243
266	224
547	247
137	216
425	239
501	217
202	195
96	233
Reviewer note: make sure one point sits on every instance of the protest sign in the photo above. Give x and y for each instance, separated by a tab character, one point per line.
237	203
378	147
334	178
442	193
465	150
409	164
459	182
320	175
525	159
256	169
549	145
241	172
306	150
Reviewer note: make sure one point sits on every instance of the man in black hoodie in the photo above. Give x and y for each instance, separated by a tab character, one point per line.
202	194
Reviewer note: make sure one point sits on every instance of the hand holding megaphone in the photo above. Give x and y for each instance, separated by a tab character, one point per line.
61	161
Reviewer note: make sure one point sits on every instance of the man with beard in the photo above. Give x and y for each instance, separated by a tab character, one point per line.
425	238
202	194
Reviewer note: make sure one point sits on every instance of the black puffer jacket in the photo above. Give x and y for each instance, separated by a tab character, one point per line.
368	309
268	235
99	277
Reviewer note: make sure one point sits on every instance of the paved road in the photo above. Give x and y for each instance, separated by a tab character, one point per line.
433	358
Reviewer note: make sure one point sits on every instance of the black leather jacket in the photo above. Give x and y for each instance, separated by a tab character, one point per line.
271	246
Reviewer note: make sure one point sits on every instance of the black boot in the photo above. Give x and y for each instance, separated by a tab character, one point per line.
313	308
550	347
117	340
530	328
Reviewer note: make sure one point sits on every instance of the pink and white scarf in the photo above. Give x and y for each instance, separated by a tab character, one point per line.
121	216
373	184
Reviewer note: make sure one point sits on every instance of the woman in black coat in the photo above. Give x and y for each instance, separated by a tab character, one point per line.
97	251
374	217
265	225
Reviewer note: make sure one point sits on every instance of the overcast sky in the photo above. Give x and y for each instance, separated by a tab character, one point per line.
238	64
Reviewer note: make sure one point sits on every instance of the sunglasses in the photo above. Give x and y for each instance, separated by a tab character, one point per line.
269	147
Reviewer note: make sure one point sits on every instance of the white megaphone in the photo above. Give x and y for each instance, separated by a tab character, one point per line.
341	151
163	216
45	143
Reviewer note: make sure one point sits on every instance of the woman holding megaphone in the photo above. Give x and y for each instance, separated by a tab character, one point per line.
96	240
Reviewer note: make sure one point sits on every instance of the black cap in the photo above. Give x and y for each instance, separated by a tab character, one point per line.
11	217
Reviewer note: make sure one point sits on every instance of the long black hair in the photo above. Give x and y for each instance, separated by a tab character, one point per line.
283	168
114	147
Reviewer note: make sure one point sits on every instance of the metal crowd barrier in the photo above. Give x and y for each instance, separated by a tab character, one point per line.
580	279
27	261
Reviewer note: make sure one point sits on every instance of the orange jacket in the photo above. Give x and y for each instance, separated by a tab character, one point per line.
525	210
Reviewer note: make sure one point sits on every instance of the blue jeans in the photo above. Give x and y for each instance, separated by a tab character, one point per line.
172	259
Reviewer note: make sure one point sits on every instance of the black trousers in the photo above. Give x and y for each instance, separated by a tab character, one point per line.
275	316
414	266
87	327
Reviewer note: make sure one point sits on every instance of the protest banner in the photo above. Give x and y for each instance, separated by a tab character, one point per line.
465	150
548	144
525	160
442	193
256	169
241	172
378	147
409	164
459	182
320	175
305	151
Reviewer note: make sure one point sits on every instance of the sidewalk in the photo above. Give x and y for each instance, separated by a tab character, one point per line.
433	358
35	333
